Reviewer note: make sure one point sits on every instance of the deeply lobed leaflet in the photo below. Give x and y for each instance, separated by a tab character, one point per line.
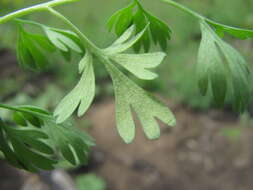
32	146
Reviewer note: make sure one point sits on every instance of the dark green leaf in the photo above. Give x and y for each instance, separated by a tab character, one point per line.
157	30
31	50
236	32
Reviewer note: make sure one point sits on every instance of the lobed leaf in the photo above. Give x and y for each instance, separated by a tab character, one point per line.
31	50
128	95
223	67
124	42
139	64
82	95
63	39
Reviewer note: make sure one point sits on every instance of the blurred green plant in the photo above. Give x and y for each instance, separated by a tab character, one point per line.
90	182
8	3
32	137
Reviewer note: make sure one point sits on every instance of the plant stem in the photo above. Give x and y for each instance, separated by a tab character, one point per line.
4	106
87	43
184	9
35	8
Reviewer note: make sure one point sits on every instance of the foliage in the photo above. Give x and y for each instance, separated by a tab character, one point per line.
158	31
30	141
223	67
220	69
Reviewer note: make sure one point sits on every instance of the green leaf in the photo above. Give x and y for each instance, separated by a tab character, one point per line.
210	67
128	95
141	22
26	147
138	64
73	144
9	154
19	118
159	30
124	42
236	32
35	121
82	95
121	19
63	39
223	67
32	49
137	15
32	148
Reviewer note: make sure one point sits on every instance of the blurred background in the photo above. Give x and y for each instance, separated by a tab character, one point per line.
209	149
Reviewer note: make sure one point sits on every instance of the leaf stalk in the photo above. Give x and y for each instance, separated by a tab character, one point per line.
32	9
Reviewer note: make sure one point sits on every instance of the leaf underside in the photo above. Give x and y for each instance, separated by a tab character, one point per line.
221	66
128	95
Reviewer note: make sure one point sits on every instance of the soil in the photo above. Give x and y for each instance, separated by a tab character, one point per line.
194	155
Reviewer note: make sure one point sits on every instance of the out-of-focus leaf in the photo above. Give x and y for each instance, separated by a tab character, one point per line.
32	49
33	148
236	32
26	147
223	67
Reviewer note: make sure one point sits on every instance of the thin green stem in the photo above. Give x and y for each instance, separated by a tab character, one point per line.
184	9
87	43
32	9
4	106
